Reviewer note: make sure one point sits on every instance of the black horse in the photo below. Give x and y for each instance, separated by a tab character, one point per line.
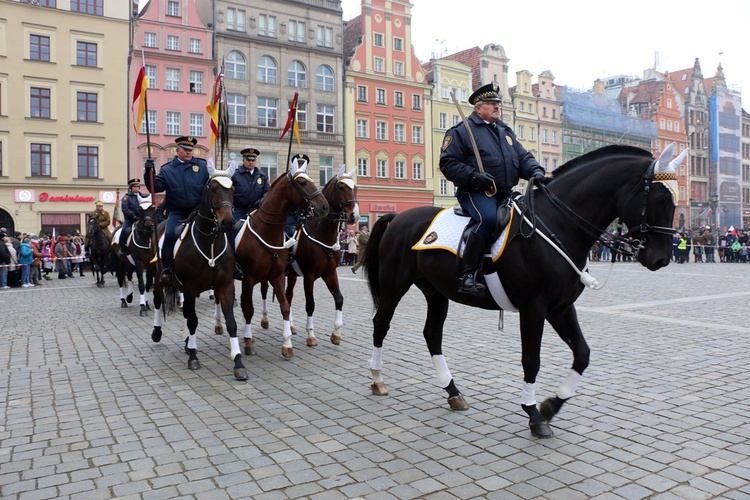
142	248
98	251
542	267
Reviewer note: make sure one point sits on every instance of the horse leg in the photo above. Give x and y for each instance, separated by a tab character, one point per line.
191	324
218	327
156	332
532	327
121	283
309	284
129	298
246	303
264	305
332	282
291	281
143	301
287	350
437	311
226	305
381	324
565	323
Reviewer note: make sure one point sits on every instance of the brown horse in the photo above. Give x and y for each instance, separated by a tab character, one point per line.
317	253
261	250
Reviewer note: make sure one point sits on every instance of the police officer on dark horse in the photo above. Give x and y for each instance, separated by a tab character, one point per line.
130	209
483	158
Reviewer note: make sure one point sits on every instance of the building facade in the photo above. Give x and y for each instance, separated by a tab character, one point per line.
62	120
549	112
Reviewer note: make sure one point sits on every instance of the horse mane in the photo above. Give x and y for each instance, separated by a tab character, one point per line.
606	151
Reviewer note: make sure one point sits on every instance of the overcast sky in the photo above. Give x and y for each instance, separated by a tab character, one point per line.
581	40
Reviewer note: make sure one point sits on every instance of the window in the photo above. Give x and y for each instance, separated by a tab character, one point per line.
196	83
88	162
40	102
398	99
398	44
381	133
42	3
151	122
398	68
382	168
38	48
523	106
173	42
173	79
149	39
195	46
86	104
301	114
151	75
267	112
296	31
196	124
296	75
379	65
324	79
554	137
399	133
378	40
173	8
531	133
267	25
266	70
443	121
86	54
521	132
325	37
235	19
447	93
400	169
235	66
443	187
362	93
326	169
416	171
361	128
416	134
173	123
236	109
416	101
676	126
363	169
269	163
41	160
456	120
93	7
1	158
380	96
325	118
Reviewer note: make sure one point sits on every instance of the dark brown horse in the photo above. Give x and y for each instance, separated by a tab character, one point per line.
261	249
317	252
542	270
204	260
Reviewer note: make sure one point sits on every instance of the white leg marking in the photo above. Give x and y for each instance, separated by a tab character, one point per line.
528	394
157	317
443	373
192	343
143	300
234	342
287	334
376	360
248	333
570	386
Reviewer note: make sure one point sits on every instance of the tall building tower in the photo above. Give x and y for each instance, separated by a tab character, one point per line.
388	109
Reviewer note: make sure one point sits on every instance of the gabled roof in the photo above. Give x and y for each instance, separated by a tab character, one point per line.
469	57
353	31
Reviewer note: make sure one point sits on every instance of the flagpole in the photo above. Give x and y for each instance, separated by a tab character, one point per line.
145	107
291	136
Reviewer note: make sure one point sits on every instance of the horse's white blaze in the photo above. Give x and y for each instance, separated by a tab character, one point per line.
143	299
287	333
192	343
568	388
234	342
248	333
376	360
443	373
528	394
157	317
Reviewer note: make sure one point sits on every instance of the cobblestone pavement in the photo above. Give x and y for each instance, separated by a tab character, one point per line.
90	407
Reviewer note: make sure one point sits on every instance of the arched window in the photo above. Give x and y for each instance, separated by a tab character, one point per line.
324	79
235	66
296	75
267	70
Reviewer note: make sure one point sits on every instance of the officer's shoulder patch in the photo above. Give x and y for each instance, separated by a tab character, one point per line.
446	142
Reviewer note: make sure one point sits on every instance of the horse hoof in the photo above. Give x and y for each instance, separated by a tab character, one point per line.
287	352
249	347
541	430
156	334
194	364
550	407
335	339
123	304
458	403
264	323
240	374
129	298
312	342
379	389
219	330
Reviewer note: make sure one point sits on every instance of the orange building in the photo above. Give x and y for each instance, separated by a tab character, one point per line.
388	109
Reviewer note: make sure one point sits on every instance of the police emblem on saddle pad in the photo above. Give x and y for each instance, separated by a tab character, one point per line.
445	230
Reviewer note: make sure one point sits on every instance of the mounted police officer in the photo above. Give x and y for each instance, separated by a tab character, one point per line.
130	210
104	222
184	179
480	193
250	184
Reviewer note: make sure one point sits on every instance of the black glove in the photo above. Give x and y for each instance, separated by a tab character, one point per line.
538	176
482	181
149	163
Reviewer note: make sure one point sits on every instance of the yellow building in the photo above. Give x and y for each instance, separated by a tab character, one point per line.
63	96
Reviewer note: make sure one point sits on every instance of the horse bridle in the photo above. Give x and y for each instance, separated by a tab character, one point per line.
337	214
212	211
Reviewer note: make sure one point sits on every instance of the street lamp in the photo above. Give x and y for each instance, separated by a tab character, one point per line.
714	200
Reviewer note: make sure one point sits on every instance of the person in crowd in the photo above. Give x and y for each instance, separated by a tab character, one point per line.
481	191
344	245
25	258
4	260
105	220
62	255
698	247
14	278
364	237
353	244
682	249
708	245
130	204
47	259
736	245
36	275
183	178
78	254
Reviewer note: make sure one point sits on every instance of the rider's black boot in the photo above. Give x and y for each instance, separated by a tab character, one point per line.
470	263
166	274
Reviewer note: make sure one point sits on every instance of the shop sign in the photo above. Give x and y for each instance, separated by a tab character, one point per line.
25	195
382	207
44	196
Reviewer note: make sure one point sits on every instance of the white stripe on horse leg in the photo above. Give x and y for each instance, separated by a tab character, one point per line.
287	332
339	319
122	292
143	299
376	360
130	287
248	333
234	342
291	315
217	313
570	386
264	306
310	323
528	394
157	317
443	373
192	344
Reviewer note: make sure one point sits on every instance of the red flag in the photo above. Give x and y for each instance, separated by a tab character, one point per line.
141	84
52	244
292	118
213	110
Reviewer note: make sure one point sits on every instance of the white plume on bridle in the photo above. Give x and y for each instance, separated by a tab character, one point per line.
346	177
665	170
296	170
223	177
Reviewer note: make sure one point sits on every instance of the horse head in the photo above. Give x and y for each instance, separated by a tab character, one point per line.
146	215
93	226
219	195
305	193
341	193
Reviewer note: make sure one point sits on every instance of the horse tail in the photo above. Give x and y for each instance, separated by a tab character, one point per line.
171	295
371	262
